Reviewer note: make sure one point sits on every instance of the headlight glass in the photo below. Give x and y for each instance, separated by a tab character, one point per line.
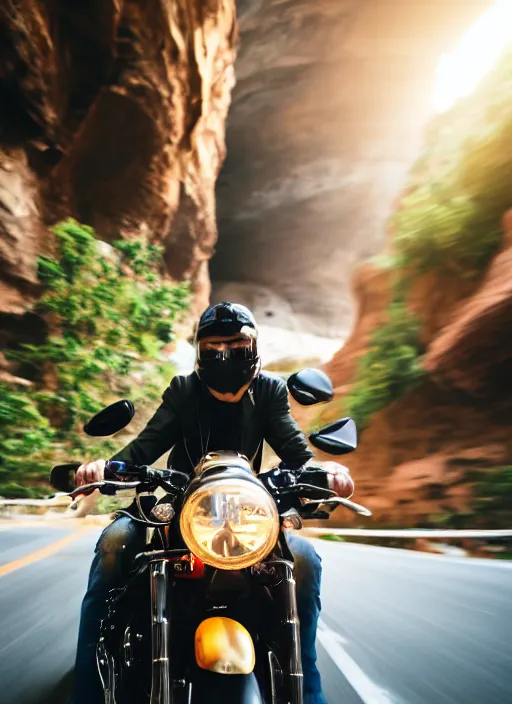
230	523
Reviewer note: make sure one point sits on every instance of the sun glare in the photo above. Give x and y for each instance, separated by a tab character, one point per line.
459	73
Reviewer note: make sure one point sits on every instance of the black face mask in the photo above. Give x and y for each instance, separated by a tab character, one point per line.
227	376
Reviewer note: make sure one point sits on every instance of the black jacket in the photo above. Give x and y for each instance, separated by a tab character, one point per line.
182	423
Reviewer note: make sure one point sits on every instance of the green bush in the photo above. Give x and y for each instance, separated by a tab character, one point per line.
25	436
109	312
13	490
389	368
492	504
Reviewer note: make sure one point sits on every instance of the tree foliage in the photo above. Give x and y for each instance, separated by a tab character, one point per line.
109	312
389	368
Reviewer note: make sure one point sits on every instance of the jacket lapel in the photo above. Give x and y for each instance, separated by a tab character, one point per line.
250	440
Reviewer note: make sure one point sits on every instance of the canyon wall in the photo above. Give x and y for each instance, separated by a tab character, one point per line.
327	115
114	113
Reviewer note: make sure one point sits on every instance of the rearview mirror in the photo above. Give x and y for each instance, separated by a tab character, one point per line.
62	477
111	419
338	438
310	386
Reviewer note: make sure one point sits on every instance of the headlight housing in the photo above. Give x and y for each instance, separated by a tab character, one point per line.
230	523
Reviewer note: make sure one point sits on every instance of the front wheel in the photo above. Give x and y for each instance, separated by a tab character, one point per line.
214	688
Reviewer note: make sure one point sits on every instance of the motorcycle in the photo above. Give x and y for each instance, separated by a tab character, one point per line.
209	612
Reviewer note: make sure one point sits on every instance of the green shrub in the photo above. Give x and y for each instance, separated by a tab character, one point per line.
109	311
110	504
25	435
389	368
13	490
492	504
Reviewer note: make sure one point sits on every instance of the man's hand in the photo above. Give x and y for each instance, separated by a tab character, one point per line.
90	472
338	477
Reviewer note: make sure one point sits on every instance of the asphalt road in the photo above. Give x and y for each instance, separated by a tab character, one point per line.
397	627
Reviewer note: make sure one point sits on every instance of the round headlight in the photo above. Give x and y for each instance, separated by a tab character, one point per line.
230	523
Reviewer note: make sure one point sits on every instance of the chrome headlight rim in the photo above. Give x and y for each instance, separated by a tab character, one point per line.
266	503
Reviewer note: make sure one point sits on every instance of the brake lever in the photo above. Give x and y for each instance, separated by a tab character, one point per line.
87	489
308	491
339	501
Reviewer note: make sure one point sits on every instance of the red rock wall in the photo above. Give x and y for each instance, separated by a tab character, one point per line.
413	459
112	112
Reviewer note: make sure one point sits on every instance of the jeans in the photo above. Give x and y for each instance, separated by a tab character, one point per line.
116	548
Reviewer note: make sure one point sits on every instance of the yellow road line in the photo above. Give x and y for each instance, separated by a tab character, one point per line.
42	553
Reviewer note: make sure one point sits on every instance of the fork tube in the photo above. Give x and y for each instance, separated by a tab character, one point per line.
291	623
160	685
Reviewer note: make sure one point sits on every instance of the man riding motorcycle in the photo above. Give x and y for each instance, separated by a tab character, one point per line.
226	404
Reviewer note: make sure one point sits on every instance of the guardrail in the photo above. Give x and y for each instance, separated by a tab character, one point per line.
344	532
410	533
54	501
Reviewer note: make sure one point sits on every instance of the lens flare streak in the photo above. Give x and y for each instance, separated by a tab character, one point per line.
459	73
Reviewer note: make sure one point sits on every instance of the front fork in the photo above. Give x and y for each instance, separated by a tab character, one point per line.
291	623
292	661
161	691
160	674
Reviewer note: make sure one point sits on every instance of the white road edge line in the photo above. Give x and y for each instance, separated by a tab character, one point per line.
368	691
472	562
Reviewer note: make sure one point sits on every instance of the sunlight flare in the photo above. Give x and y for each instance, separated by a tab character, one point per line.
459	73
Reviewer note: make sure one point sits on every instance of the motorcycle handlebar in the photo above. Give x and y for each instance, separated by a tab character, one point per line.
280	482
117	475
118	471
110	487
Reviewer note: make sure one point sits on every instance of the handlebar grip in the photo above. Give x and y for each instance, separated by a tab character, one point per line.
118	471
169	479
113	470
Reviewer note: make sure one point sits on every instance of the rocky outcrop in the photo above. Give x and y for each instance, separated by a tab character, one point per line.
413	459
474	353
22	233
371	289
113	113
327	115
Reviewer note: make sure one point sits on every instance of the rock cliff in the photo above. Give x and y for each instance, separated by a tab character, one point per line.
112	112
416	456
115	113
